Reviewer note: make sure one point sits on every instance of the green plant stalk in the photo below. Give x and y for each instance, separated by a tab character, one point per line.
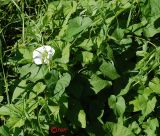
6	84
146	41
23	31
4	76
16	5
21	11
39	124
129	17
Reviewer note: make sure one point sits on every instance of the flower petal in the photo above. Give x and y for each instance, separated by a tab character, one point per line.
38	54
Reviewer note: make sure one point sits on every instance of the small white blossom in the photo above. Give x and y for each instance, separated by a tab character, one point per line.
42	55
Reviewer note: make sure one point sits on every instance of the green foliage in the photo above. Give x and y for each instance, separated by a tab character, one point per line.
33	72
75	26
104	78
82	118
98	84
117	104
62	83
118	129
108	69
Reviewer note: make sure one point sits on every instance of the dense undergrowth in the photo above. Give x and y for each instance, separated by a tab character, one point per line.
103	79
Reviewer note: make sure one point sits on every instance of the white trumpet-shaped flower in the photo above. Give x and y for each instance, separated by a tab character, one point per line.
42	55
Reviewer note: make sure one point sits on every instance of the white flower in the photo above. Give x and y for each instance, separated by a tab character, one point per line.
42	55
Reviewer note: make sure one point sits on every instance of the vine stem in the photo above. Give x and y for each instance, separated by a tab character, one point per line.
146	41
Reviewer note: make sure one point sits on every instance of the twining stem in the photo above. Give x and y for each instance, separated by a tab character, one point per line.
146	41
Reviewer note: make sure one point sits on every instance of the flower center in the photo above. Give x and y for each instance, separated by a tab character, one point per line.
45	57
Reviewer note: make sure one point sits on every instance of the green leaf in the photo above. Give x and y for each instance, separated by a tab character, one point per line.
31	105
139	103
150	126
33	72
1	98
75	26
51	79
20	89
26	51
37	89
154	85
54	110
82	118
144	104
68	10
117	104
98	84
112	101
42	101
150	30
18	132
117	129
126	41
15	122
86	44
66	54
118	34
12	109
151	9
120	106
110	53
62	83
4	131
108	69
4	110
5	2
127	87
90	6
87	57
137	28
150	106
135	127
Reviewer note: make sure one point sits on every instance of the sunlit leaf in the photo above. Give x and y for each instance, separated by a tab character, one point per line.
20	89
15	122
117	129
75	26
98	84
154	85
117	104
4	131
4	110
150	126
87	57
82	118
37	89
33	72
108	69
62	83
65	54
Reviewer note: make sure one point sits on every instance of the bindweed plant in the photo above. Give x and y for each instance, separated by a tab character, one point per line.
87	67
